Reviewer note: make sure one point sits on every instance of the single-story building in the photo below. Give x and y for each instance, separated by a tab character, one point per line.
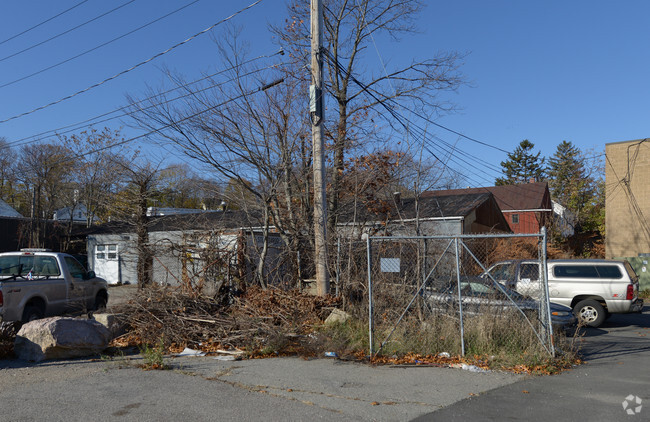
184	247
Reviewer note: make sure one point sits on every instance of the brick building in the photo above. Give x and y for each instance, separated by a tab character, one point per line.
627	199
526	207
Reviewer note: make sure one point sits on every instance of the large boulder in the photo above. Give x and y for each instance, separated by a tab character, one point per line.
337	316
113	322
60	338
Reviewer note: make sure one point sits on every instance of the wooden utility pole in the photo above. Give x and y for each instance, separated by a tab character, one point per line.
317	113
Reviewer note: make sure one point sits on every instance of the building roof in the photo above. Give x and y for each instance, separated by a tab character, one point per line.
7	210
460	205
179	222
527	196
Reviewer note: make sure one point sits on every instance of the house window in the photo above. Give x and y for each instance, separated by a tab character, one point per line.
515	218
106	252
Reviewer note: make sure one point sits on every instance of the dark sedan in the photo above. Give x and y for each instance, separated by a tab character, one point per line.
480	296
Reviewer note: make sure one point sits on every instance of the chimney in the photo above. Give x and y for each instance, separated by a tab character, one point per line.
397	196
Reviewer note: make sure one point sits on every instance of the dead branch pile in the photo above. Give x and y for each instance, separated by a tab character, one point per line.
251	321
7	336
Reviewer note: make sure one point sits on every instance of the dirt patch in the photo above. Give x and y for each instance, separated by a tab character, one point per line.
119	295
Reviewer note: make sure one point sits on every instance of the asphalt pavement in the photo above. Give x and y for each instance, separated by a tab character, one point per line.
294	389
205	389
613	384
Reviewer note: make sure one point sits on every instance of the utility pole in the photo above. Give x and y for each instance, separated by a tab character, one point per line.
316	112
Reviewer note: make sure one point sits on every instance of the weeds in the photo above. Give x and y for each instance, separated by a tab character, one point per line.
492	342
153	356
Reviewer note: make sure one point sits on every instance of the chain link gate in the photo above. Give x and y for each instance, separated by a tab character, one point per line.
443	293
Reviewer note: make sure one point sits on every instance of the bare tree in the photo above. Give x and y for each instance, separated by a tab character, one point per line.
140	180
351	26
44	173
249	133
7	172
96	171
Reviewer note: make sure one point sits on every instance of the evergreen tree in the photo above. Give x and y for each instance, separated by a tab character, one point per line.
566	173
522	166
573	185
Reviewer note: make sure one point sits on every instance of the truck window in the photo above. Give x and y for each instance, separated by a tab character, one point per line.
9	266
501	272
529	271
609	271
76	269
18	265
630	271
575	271
46	266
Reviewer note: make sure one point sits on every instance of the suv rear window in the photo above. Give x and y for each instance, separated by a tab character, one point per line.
587	271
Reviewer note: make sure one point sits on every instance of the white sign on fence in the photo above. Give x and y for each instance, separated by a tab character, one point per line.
389	265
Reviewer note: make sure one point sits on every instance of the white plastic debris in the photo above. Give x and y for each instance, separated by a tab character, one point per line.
191	352
444	355
228	357
472	368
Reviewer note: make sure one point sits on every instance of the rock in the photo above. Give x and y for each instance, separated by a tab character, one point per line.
337	316
60	338
112	322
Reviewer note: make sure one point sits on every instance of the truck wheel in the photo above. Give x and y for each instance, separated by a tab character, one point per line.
100	302
590	312
32	313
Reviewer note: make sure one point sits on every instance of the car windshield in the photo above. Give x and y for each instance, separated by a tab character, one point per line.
501	272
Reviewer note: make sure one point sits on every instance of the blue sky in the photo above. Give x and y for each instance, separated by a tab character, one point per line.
544	71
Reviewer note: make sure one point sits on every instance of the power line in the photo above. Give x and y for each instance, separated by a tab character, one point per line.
42	23
133	67
38	72
130	113
400	118
66	32
94	120
176	122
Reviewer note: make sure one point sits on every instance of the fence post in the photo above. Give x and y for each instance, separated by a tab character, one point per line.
460	300
547	305
338	265
370	321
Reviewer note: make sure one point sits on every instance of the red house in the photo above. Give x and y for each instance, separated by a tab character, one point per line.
526	207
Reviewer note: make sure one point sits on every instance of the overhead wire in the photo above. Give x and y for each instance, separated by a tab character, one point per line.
43	22
117	75
67	31
95	120
130	113
176	122
397	116
38	72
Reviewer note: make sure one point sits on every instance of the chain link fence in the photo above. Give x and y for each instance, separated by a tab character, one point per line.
467	294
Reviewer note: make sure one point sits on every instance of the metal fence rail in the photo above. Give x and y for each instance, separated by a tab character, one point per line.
443	292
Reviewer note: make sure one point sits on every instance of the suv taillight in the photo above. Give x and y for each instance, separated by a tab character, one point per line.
630	292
